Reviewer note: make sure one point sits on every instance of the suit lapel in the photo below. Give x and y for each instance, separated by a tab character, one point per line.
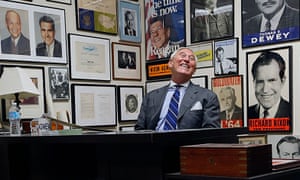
157	103
187	100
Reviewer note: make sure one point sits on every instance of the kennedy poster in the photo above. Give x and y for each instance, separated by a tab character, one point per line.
164	26
269	21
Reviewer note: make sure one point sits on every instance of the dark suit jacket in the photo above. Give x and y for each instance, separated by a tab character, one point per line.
206	116
237	114
41	49
289	18
284	109
23	46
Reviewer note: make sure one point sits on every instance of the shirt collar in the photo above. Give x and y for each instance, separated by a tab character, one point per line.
272	111
274	20
172	84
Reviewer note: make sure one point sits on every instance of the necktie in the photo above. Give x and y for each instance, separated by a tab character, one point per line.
171	118
221	68
13	47
268	25
266	113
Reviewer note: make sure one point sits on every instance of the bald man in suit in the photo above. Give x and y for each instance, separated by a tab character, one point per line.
198	106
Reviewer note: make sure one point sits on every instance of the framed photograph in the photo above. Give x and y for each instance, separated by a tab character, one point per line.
59	83
89	57
62	1
200	80
33	43
130	101
229	90
258	30
129	21
159	69
211	20
97	16
165	28
31	107
204	54
269	86
155	84
226	57
93	105
126	61
284	146
252	138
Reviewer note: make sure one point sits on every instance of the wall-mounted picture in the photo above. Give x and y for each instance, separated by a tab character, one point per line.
285	146
97	16
59	83
252	138
211	19
126	61
130	100
31	107
269	86
89	57
129	21
32	33
230	94
93	105
269	22
226	57
204	54
165	27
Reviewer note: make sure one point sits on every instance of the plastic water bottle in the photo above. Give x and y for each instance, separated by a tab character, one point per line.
14	120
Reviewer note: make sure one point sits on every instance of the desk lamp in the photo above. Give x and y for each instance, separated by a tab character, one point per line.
15	83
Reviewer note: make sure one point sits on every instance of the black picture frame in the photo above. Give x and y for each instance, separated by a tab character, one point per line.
200	16
130	101
59	83
159	69
32	107
265	89
229	90
255	34
228	49
94	105
168	18
97	18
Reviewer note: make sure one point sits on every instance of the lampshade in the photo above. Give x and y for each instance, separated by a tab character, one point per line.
14	80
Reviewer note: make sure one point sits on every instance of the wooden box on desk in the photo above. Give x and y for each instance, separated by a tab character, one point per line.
233	160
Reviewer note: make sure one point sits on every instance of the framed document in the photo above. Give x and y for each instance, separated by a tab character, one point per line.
89	57
97	16
204	54
93	105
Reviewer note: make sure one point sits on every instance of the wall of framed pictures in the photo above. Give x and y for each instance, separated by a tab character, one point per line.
93	41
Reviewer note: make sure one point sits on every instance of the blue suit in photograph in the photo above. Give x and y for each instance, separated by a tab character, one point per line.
199	109
41	49
22	47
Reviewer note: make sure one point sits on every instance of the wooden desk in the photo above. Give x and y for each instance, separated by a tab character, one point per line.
287	174
102	155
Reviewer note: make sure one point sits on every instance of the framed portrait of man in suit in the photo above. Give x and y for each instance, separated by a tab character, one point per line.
269	86
269	22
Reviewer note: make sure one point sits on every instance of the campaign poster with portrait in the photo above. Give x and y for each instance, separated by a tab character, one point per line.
269	87
164	27
269	22
230	95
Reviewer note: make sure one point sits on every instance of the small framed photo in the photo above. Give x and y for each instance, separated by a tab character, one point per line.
226	57
93	105
252	138
130	100
126	61
269	90
155	84
204	54
69	2
229	90
97	16
59	83
89	57
129	21
211	20
200	80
